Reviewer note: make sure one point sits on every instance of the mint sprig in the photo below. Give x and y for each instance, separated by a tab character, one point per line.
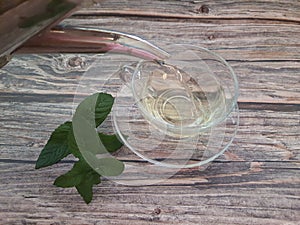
81	139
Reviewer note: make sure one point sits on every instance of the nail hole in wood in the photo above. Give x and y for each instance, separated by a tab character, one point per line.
211	37
157	211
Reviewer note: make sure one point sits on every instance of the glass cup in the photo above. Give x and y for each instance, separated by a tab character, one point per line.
180	111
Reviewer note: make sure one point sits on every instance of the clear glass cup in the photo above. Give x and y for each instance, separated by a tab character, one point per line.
180	111
187	93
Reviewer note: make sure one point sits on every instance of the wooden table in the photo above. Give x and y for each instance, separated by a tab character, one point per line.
257	181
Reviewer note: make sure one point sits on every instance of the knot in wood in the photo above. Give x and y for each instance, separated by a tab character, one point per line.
75	61
203	9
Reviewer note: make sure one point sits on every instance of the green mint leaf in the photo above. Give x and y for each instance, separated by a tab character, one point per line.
111	142
95	108
85	188
110	167
103	107
74	177
81	176
90	113
86	136
72	145
104	166
56	147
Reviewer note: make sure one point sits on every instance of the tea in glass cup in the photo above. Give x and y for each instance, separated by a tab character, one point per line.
177	111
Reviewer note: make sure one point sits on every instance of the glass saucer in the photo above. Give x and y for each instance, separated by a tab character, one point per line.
150	155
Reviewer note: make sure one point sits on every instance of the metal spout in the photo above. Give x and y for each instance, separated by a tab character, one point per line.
77	39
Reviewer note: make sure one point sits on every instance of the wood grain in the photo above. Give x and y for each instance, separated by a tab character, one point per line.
265	58
265	82
255	182
260	196
258	137
263	9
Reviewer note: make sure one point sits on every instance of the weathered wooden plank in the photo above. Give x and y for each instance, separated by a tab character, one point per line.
263	9
265	193
255	182
263	134
242	40
263	55
266	82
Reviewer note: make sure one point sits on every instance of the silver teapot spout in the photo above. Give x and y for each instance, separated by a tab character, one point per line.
78	39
